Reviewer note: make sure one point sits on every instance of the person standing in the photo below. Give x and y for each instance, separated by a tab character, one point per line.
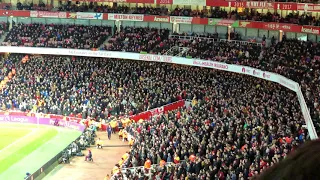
109	131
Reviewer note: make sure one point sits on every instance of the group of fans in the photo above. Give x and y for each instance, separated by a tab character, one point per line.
57	36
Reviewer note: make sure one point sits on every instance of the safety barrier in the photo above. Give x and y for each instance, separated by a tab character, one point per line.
241	42
269	76
192	38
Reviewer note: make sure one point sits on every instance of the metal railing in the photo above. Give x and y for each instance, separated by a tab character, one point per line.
191	38
241	42
176	51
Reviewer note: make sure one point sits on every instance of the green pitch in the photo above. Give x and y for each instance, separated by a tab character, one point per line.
25	148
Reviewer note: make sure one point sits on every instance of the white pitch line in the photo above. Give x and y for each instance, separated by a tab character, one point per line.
34	130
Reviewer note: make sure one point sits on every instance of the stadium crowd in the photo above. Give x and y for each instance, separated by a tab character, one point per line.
55	36
236	127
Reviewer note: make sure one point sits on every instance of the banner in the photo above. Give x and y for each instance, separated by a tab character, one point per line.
48	14
164	1
285	6
15	13
157	111
280	26
41	121
259	5
156	58
122	1
82	15
217	3
308	7
180	19
222	22
190	2
165	19
125	17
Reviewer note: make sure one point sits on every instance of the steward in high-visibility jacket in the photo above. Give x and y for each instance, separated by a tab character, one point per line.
115	170
147	164
107	177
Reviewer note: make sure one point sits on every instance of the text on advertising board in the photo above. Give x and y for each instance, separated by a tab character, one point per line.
156	58
210	64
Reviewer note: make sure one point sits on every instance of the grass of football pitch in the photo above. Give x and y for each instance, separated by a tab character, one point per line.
25	148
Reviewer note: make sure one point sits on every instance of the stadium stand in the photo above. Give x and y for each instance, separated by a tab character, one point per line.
53	35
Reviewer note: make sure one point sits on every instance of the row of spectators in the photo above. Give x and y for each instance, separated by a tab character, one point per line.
30	6
137	39
86	87
57	36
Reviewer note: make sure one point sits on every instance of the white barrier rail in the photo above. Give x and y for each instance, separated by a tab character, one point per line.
241	42
191	37
269	76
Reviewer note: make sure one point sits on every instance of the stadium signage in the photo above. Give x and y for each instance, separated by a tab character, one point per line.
211	64
66	124
190	2
169	19
176	60
125	17
42	121
48	14
310	30
161	19
259	5
181	19
81	15
164	1
156	58
308	7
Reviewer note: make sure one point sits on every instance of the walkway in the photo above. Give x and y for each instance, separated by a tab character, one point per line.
104	161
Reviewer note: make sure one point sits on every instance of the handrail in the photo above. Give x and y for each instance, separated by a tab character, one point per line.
269	76
190	38
241	42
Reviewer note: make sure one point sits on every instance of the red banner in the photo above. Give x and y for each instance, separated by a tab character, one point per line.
285	6
217	3
158	111
280	26
126	17
48	14
164	1
259	5
120	1
156	18
14	13
308	7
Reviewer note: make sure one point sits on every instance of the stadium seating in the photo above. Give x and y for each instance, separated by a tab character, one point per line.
137	39
53	35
